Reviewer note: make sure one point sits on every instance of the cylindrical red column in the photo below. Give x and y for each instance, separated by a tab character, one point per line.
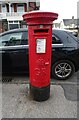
40	40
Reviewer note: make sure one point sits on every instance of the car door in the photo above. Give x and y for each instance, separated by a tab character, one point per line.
57	46
24	51
13	52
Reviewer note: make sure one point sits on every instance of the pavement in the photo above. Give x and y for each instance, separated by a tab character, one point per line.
70	86
17	102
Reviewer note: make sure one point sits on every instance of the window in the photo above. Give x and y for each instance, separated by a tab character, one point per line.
32	5
11	39
13	26
20	8
10	21
12	8
56	40
4	8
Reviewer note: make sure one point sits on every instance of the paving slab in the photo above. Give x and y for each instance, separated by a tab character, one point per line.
17	103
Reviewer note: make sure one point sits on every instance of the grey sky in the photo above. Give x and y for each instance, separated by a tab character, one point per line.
65	8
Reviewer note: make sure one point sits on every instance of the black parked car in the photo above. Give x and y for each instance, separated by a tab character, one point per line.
65	52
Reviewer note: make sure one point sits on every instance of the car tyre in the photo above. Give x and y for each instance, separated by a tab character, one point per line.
62	69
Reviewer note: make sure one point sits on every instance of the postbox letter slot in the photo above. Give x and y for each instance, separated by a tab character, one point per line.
41	31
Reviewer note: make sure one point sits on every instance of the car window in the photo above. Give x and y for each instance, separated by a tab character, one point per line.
73	35
11	39
24	40
55	40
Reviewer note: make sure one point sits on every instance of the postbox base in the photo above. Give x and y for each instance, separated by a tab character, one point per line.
40	94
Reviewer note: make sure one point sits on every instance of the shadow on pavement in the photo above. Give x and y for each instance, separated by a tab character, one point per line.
71	92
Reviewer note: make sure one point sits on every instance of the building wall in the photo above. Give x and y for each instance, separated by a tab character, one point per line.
14	10
25	7
15	7
31	6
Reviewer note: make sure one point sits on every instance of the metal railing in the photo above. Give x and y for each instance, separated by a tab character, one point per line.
14	14
5	15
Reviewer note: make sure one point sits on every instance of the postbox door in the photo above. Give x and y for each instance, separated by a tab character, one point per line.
40	60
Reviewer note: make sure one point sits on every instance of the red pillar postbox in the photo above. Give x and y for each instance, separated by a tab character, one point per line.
40	40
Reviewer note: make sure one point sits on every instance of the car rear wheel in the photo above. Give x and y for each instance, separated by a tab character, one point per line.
63	69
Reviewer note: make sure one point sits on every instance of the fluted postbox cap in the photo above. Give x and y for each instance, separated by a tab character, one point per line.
39	17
